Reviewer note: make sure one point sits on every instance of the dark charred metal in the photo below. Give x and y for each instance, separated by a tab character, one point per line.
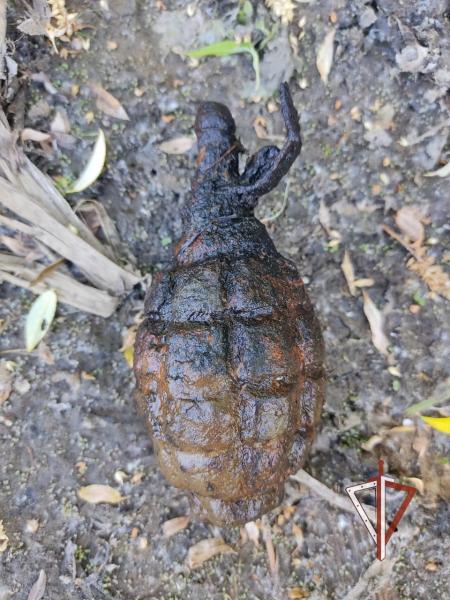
229	359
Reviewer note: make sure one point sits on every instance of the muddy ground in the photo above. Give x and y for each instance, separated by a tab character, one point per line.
364	157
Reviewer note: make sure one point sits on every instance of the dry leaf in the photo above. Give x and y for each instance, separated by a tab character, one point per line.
325	55
206	549
434	275
96	493
173	526
108	104
349	273
409	221
6	381
34	135
442	172
376	322
40	318
252	530
3	538
94	166
38	590
179	145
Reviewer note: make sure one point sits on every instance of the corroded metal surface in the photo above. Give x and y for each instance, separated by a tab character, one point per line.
229	358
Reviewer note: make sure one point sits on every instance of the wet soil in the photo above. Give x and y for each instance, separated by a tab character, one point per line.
61	429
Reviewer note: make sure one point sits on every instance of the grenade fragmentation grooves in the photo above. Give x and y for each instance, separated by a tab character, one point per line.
229	358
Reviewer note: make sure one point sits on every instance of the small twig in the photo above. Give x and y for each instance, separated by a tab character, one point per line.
331	497
400	240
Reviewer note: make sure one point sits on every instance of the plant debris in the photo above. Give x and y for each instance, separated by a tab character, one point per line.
179	145
206	549
4	539
94	166
410	221
39	318
376	322
107	103
6	380
173	526
97	493
283	9
52	19
38	590
325	55
43	216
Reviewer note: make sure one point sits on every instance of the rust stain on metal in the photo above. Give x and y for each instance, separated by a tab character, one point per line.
229	360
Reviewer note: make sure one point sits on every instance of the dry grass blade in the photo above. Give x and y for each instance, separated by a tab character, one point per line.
340	502
43	214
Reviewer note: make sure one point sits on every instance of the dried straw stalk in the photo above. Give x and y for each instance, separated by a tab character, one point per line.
42	213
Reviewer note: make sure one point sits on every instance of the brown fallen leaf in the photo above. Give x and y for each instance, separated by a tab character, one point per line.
206	549
325	55
107	103
433	275
4	539
376	323
173	526
409	221
97	493
179	145
6	381
38	590
349	273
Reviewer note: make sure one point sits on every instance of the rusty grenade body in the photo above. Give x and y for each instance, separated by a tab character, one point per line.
229	357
